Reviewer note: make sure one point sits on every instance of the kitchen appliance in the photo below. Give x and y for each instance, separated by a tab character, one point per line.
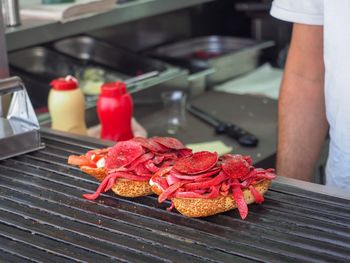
19	130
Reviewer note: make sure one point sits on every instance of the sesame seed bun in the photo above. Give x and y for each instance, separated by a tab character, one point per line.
98	173
201	207
129	188
122	187
155	189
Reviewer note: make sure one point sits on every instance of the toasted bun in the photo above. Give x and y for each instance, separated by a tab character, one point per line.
98	173
155	189
129	188
200	207
122	187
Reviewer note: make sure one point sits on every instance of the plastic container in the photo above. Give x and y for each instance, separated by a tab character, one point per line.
115	109
67	106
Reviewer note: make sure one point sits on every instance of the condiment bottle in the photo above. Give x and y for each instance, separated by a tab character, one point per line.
115	109
67	106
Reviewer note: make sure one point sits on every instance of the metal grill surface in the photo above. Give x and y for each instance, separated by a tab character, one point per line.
43	218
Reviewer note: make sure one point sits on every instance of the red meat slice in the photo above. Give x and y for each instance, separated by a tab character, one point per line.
151	166
196	177
123	153
100	152
171	179
185	152
170	142
141	169
214	193
110	180
239	198
81	161
158	159
143	158
206	184
150	144
196	163
228	156
257	196
170	190
236	167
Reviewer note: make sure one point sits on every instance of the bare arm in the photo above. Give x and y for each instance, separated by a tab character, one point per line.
302	124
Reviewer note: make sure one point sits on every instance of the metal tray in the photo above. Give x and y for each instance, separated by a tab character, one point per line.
43	63
228	56
88	49
39	65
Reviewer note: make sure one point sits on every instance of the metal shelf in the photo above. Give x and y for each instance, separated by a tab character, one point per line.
33	32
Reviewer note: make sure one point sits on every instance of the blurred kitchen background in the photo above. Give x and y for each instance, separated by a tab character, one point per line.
227	55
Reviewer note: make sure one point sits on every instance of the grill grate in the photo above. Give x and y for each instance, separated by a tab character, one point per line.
43	218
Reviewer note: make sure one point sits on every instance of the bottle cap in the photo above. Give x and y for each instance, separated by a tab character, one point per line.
67	83
113	89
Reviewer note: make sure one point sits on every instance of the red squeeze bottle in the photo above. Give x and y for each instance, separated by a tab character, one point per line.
115	109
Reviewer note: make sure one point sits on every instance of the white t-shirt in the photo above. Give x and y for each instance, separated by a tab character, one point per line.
334	15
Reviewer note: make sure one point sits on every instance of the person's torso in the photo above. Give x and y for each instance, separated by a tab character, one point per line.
337	88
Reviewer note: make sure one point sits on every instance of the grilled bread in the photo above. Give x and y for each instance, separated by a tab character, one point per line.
199	207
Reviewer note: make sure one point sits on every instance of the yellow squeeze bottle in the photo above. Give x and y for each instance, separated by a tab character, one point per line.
67	106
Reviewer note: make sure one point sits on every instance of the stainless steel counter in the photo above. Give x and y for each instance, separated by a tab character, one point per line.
33	32
257	115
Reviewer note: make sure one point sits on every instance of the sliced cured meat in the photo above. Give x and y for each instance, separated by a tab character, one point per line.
239	199
257	196
110	181
151	166
143	158
81	161
201	185
98	152
236	167
197	177
196	163
228	156
185	152
141	169
133	162
206	184
123	153
158	159
170	142
171	189
150	144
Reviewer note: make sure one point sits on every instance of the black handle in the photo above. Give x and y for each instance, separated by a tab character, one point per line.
242	136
